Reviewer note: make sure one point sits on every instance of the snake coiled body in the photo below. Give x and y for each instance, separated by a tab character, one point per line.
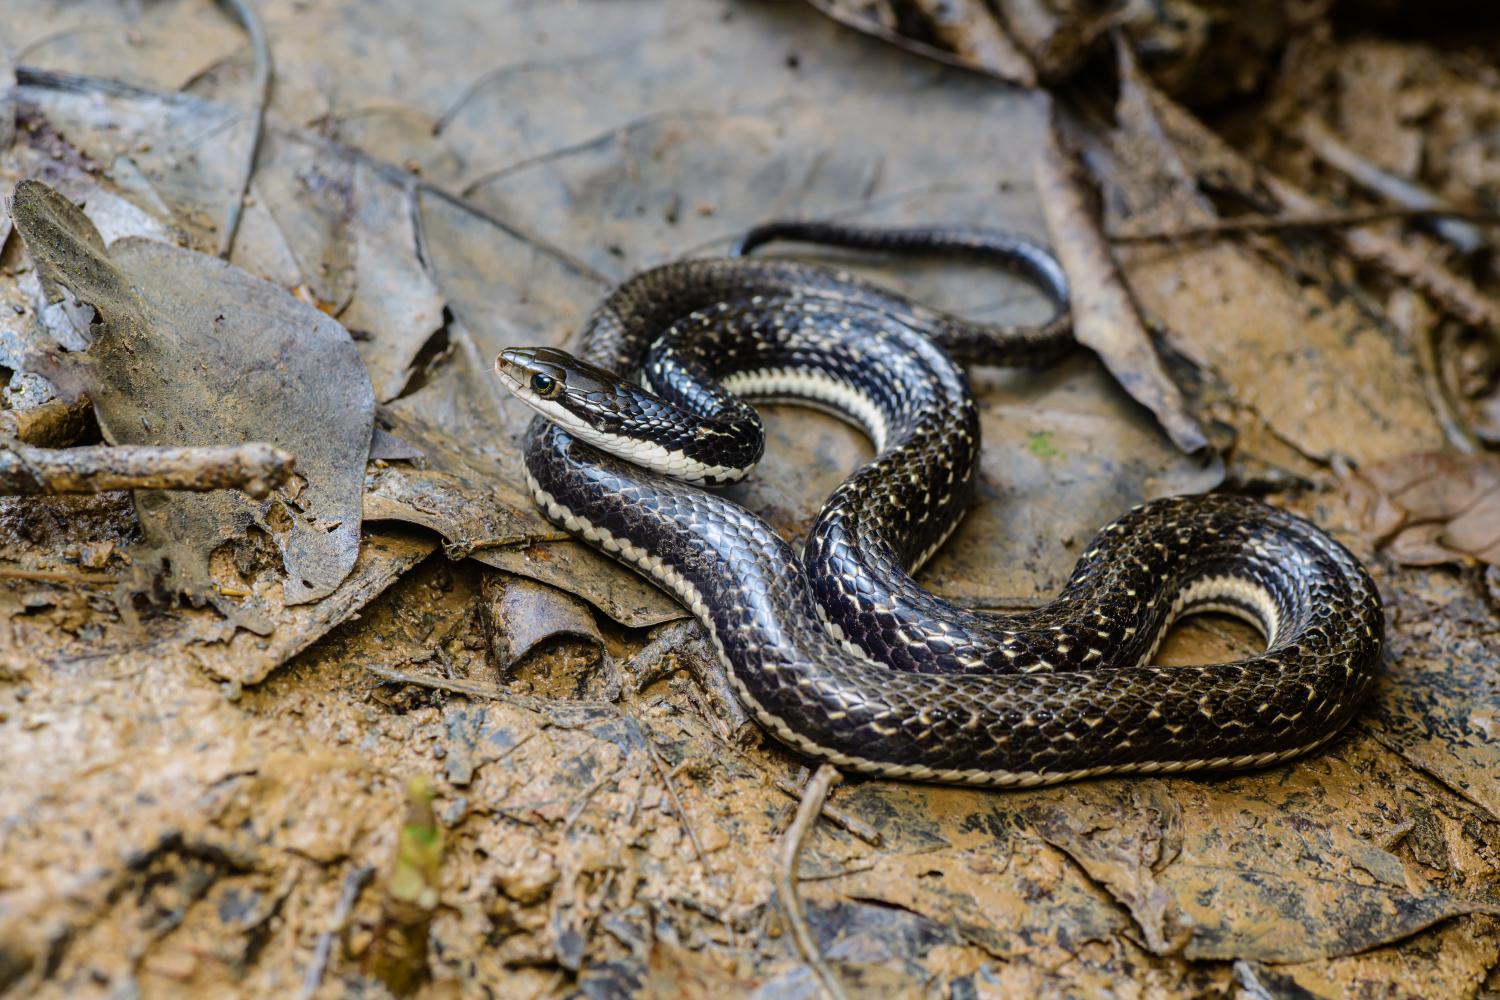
839	653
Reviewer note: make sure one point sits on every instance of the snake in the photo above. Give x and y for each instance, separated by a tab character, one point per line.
836	650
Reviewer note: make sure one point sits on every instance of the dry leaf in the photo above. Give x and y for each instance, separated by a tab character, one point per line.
1433	507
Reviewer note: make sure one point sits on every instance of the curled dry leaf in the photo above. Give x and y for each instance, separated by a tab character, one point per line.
520	614
193	351
962	33
1315	369
1432	507
1104	316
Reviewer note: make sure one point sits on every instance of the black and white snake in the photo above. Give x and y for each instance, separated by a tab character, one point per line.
839	653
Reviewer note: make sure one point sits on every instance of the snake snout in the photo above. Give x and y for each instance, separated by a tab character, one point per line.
515	365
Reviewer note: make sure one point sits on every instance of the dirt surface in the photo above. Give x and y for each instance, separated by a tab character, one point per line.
387	729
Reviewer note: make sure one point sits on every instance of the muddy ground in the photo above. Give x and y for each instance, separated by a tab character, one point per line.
386	729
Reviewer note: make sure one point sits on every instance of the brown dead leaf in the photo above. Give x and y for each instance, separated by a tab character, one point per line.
1104	316
1321	375
155	140
395	307
1433	507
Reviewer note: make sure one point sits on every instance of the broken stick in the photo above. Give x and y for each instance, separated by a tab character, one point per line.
29	471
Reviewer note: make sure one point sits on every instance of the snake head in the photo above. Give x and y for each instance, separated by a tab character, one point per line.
619	416
548	375
583	399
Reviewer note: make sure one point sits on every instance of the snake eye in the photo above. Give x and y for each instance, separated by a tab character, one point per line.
545	386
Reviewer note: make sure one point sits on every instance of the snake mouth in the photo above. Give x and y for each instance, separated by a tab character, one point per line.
516	365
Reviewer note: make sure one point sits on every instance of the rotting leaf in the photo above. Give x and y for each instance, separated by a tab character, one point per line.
203	638
1279	916
308	189
1318	373
192	350
467	513
578	569
1441	710
1430	508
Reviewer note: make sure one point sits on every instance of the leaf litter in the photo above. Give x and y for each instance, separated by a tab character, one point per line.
610	837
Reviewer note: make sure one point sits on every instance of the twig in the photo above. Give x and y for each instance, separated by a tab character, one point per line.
682	816
54	424
261	52
57	576
1457	295
838	817
786	876
470	688
28	471
353	886
1300	220
1332	151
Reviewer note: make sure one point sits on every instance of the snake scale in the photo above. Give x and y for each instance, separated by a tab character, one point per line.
837	651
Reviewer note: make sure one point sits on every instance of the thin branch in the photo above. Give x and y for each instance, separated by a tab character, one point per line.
353	886
261	52
845	821
792	844
28	471
1301	220
1332	151
1456	294
57	576
682	815
456	686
